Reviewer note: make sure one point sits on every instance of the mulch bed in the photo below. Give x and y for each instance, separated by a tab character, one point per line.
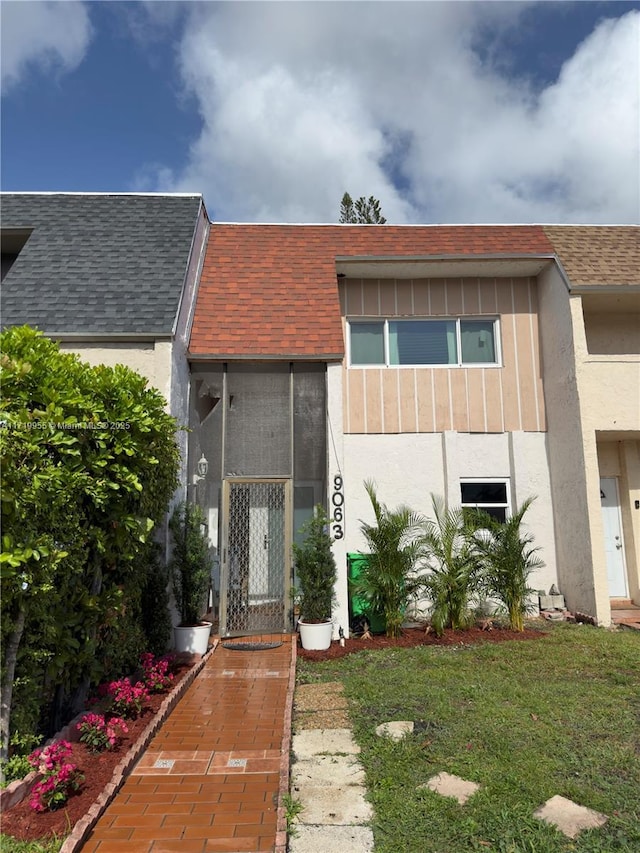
22	822
417	637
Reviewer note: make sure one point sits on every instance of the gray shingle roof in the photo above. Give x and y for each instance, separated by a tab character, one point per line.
98	264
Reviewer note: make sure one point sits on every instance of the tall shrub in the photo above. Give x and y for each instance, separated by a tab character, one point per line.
508	559
388	579
89	464
315	568
452	566
190	562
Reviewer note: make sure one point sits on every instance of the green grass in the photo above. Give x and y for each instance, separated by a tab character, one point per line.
46	845
527	720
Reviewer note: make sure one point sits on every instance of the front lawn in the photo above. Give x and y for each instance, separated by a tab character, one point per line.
526	720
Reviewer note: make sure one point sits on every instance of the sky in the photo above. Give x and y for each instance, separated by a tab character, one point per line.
448	112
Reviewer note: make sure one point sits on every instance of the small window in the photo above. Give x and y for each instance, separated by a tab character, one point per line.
367	343
455	342
492	496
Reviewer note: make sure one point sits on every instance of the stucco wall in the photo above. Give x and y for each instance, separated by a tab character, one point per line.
612	334
570	451
408	468
141	357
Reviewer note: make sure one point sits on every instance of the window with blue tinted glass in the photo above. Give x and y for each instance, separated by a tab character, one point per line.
422	342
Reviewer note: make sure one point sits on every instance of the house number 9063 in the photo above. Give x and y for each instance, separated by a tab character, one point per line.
337	502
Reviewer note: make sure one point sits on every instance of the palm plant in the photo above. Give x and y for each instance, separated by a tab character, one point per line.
507	562
452	566
388	579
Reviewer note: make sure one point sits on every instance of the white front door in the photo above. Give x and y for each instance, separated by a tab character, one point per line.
613	544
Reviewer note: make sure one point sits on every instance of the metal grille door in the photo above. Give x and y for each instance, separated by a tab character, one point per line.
255	557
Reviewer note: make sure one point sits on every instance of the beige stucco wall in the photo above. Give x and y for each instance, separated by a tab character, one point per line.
573	461
612	334
148	359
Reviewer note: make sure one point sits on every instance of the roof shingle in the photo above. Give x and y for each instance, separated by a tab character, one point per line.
98	264
598	254
270	290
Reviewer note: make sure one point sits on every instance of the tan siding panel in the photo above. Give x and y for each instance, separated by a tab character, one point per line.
454	297
404	291
426	403
509	373
421	297
476	401
390	401
370	298
488	296
438	306
470	296
535	334
387	296
493	402
442	402
373	396
408	400
459	400
357	412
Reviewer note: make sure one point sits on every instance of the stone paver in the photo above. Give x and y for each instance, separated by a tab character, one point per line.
448	785
395	729
311	742
324	770
331	839
335	805
569	817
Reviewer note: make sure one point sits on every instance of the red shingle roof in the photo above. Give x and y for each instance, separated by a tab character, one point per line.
270	290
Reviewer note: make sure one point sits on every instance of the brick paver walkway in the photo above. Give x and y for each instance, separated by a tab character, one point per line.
209	780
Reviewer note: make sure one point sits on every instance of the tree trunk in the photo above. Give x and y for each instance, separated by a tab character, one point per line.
10	658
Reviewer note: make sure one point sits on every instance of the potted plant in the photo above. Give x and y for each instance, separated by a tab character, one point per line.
316	572
191	574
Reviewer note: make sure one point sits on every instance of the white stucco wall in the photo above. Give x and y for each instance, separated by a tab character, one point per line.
573	461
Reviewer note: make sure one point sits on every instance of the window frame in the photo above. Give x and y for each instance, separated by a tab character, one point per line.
458	320
503	481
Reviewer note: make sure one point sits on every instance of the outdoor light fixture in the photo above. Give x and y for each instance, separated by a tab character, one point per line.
203	467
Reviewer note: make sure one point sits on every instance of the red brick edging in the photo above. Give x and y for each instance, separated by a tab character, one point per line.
285	755
18	790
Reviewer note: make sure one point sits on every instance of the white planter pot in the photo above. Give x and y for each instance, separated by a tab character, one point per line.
192	638
315	636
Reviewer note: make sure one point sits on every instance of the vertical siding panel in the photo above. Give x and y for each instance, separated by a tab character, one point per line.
442	401
454	297
493	400
509	373
526	373
387	297
426	402
475	395
535	341
488	296
390	401
370	302
373	399
346	413
407	400
460	411
403	290
471	296
421	297
357	409
438	302
342	294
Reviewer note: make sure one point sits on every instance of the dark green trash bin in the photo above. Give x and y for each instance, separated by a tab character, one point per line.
358	608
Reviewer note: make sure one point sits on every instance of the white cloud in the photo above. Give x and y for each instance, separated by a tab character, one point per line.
51	35
302	101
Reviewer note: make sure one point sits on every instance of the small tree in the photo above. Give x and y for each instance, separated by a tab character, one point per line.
190	562
507	560
315	568
364	211
452	564
388	579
